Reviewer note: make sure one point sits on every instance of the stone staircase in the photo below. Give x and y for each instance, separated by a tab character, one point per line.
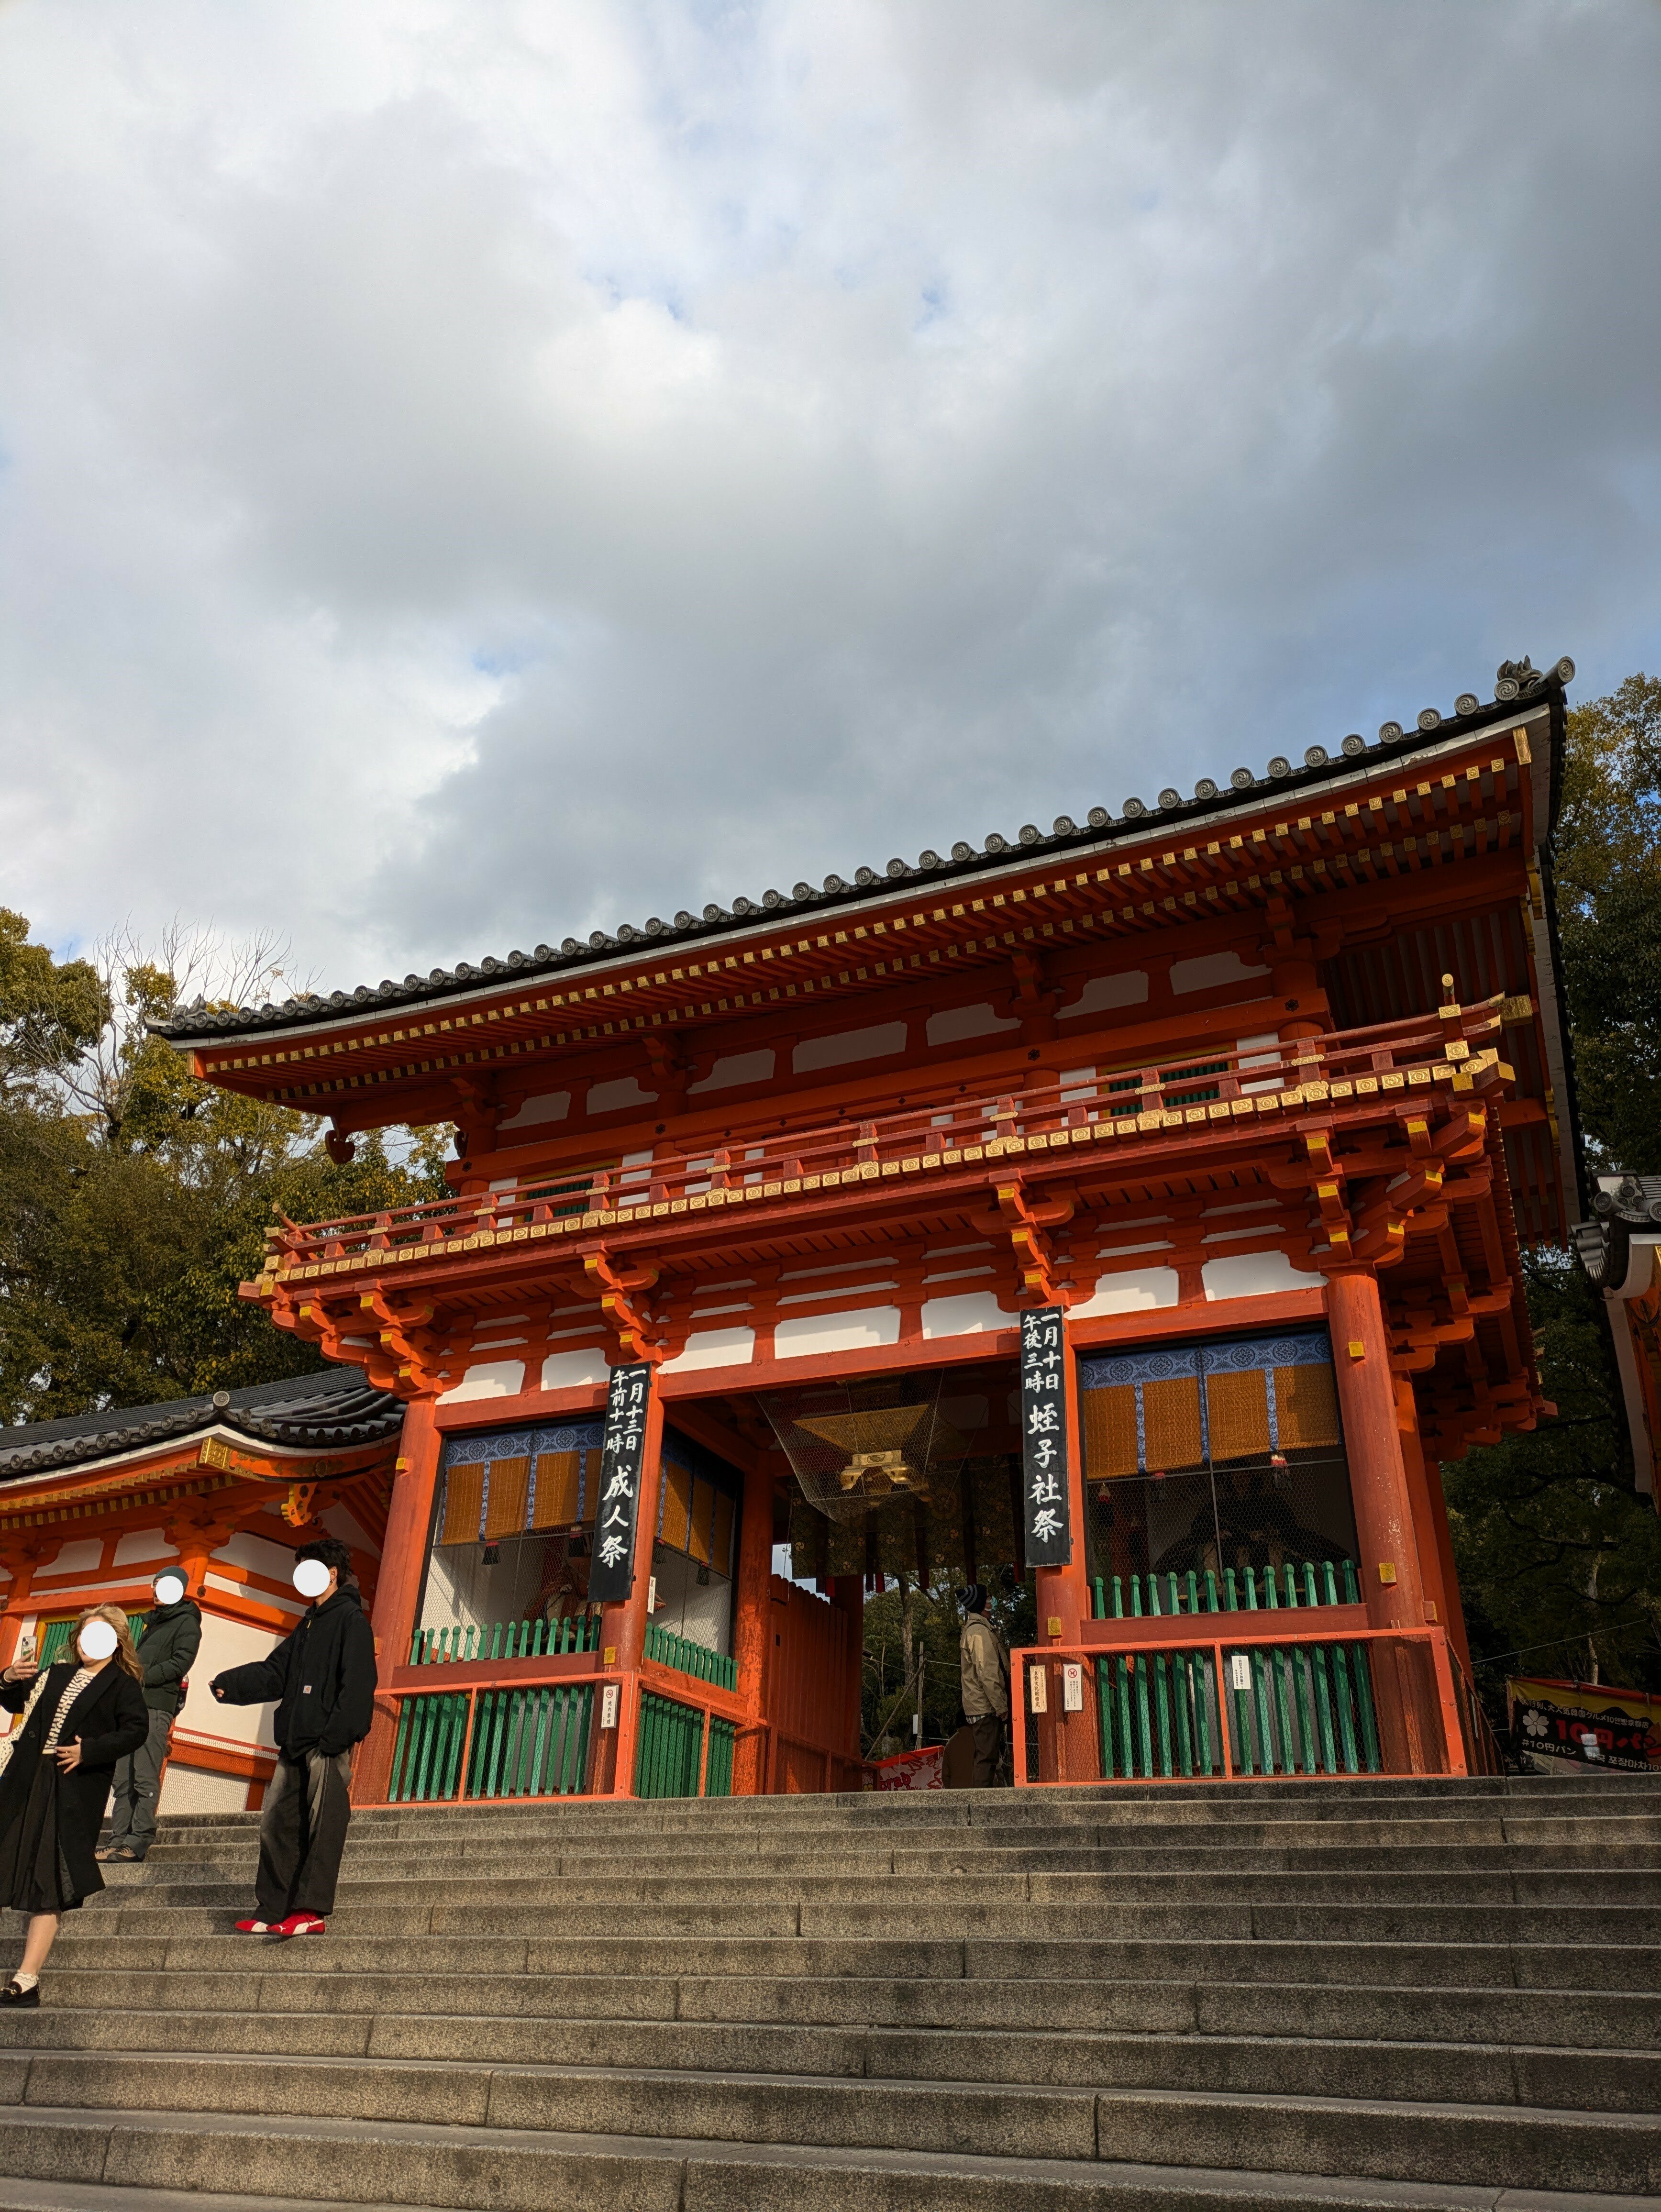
1436	1994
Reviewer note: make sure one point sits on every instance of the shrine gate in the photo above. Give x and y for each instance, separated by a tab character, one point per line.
1135	1205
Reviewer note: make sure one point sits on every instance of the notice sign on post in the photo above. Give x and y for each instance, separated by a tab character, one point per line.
611	1577
1046	1513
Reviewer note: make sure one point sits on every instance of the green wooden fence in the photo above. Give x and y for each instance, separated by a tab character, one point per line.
504	1639
55	1639
1251	1591
669	1757
530	1741
1291	1709
688	1658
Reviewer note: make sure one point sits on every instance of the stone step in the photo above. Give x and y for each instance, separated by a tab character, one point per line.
1546	2076
90	2161
1519	2147
1514	2146
108	2004
968	1849
1397	1965
475	1881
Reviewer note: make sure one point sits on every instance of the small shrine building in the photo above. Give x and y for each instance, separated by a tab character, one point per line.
1134	1205
223	1487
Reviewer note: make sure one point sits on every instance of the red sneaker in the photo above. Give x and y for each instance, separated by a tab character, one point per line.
301	1923
255	1928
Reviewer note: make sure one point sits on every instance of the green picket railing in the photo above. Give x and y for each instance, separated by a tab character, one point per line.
669	1756
688	1658
1253	1589
718	1775
505	1639
55	1639
530	1742
427	1752
1305	1708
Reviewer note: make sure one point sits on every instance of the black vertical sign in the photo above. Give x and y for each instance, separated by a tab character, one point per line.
1045	1491
612	1574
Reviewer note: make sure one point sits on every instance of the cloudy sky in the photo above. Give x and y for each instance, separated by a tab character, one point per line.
475	472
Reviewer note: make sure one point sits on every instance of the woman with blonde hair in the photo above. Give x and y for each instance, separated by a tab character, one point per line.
80	1715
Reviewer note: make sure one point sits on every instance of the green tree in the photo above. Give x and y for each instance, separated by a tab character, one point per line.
1559	1552
134	1199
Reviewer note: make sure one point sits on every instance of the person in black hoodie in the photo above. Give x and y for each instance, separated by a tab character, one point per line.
323	1678
169	1641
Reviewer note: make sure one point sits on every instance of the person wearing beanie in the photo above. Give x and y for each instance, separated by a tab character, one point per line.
984	1666
168	1643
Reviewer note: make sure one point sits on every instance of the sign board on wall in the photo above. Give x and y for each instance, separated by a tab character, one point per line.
1046	1491
622	1462
1557	1725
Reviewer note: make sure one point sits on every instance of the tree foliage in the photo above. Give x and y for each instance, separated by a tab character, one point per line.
1559	1552
134	1199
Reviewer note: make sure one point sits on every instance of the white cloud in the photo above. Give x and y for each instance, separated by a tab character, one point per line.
469	473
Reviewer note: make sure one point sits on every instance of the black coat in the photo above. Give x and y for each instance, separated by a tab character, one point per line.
109	1718
322	1676
169	1643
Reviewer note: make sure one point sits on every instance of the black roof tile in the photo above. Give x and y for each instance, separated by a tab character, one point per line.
331	1411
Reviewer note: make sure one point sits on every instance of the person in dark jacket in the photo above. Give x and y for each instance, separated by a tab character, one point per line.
323	1678
168	1642
80	1716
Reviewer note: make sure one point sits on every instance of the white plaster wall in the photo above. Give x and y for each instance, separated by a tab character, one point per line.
200	1789
623	1091
970	1314
1255	1275
227	1643
1137	1291
77	1558
491	1378
957	1022
714	1347
738	1067
848	1045
1102	992
548	1106
140	1544
569	1370
804	1334
1209	970
258	1554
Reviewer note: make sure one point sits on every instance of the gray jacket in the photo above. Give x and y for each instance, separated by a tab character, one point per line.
168	1644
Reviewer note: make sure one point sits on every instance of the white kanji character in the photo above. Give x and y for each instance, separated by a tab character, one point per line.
1046	1525
1042	1420
1044	1453
612	1550
1045	1490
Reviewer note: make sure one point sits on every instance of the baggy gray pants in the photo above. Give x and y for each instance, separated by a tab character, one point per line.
138	1785
303	1832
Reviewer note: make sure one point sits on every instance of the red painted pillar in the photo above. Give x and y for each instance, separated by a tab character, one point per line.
18	1599
623	1626
753	1629
1418	1729
1456	1611
398	1588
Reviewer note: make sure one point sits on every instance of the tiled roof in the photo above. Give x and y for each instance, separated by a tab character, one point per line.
1517	683
332	1411
1623	1206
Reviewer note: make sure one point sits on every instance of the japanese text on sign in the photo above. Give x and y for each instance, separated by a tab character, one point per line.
1046	1514
611	1576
